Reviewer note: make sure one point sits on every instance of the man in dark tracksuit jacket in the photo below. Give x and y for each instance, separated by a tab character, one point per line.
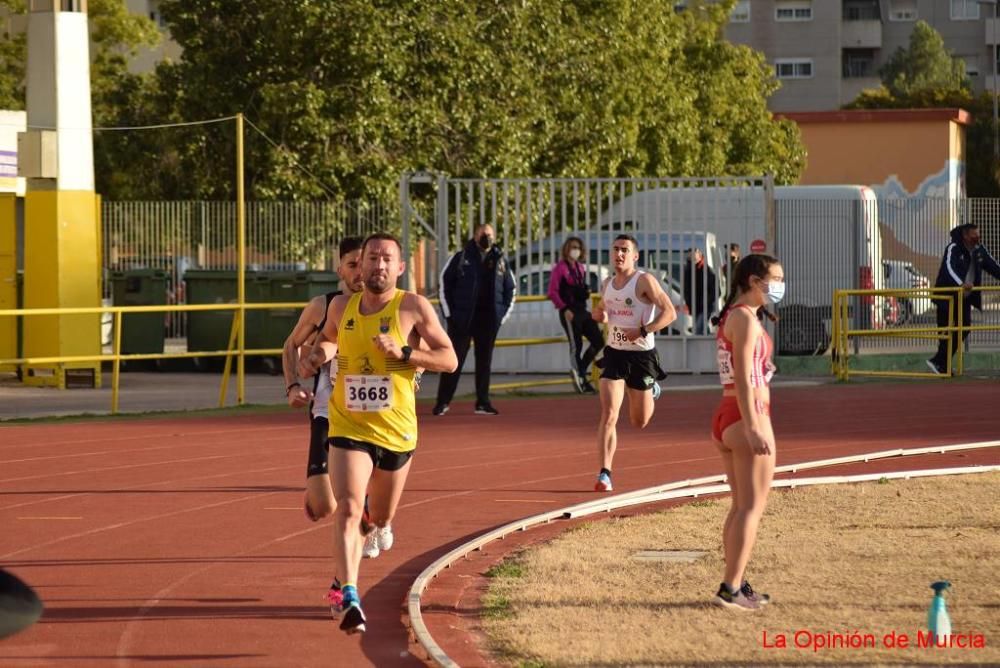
477	293
962	266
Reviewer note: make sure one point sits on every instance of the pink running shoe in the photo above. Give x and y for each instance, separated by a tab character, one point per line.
335	598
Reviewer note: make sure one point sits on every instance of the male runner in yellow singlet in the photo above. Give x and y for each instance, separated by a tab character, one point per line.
372	408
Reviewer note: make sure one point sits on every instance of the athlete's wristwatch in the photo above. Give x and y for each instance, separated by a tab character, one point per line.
642	331
407	351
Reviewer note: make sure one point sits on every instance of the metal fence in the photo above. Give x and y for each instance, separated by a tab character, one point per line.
827	239
178	236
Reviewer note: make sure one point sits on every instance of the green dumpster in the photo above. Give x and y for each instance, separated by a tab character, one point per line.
269	328
141	332
209	330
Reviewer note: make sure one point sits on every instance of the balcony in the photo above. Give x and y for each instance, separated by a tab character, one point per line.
861	34
992	27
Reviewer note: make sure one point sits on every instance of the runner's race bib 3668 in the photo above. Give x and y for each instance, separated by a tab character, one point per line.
367	393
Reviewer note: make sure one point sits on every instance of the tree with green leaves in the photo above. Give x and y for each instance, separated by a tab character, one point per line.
350	94
925	65
925	76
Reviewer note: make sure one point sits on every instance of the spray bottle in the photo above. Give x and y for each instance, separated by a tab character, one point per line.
938	622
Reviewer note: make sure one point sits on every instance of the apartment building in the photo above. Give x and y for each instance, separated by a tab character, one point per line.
825	52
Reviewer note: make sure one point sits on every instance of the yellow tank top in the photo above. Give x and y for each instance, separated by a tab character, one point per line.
373	399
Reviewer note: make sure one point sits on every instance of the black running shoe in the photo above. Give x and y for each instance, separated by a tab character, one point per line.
737	601
440	409
353	620
486	409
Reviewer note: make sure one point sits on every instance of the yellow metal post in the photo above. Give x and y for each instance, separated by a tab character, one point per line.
8	278
228	366
116	364
959	310
241	269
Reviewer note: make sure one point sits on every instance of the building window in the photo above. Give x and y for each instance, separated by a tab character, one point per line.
903	10
793	10
861	10
971	65
858	63
741	12
964	10
793	68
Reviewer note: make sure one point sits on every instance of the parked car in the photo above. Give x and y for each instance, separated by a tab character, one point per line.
900	275
534	280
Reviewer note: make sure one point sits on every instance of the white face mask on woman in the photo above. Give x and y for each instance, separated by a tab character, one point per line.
574	254
775	291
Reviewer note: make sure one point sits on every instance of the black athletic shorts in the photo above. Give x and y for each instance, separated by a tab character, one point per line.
638	368
383	459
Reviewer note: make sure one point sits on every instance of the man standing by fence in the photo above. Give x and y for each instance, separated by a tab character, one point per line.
963	263
477	293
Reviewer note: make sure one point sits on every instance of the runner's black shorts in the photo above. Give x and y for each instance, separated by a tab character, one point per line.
640	369
383	459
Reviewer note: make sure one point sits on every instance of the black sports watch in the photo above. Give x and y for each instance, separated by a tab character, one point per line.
642	330
407	351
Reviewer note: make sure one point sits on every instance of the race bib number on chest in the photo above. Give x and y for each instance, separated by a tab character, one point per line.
725	366
618	335
367	393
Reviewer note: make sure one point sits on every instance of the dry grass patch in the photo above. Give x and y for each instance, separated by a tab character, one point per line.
839	559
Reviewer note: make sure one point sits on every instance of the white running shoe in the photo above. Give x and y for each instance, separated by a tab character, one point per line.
371	549
384	537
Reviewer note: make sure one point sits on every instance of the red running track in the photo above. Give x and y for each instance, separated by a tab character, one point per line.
182	542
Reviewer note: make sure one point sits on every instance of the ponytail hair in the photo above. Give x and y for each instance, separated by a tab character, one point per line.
750	266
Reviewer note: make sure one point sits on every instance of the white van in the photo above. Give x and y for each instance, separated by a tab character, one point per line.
827	237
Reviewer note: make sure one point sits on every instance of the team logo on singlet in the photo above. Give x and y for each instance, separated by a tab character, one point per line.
366	366
349	324
628	301
384	324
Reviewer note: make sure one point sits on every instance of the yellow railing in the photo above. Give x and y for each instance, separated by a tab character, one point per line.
842	332
234	350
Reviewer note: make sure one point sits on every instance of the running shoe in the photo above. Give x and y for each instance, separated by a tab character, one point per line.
440	409
588	388
574	375
747	590
936	368
603	483
335	597
384	537
486	409
657	390
353	618
737	601
371	548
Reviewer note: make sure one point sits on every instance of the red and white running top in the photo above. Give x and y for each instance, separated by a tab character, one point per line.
762	368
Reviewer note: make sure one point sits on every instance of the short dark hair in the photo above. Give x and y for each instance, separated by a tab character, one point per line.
628	237
382	236
349	245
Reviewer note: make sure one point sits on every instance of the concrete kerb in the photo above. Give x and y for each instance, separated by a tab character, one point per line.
688	488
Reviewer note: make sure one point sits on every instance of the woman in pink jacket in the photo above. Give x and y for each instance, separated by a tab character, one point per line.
570	292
